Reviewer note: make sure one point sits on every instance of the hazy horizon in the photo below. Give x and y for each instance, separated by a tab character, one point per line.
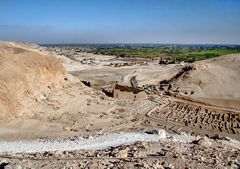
133	43
126	21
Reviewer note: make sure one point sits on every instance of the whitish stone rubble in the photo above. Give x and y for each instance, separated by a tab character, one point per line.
91	143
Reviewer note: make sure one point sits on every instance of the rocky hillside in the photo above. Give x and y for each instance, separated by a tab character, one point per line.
27	75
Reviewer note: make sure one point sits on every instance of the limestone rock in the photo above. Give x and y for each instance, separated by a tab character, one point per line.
122	154
205	142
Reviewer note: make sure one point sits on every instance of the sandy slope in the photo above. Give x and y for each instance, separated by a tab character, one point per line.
216	81
26	74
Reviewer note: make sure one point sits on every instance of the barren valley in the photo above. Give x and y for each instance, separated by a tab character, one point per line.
61	107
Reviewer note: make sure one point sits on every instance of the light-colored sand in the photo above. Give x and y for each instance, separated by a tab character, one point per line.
44	101
26	75
216	81
44	108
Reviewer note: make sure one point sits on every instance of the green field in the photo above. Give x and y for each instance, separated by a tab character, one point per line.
170	54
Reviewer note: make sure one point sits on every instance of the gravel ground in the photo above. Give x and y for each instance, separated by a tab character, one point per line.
201	153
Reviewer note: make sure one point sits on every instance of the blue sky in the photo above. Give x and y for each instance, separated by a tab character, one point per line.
120	21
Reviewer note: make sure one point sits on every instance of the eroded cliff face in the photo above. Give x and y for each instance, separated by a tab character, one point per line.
26	75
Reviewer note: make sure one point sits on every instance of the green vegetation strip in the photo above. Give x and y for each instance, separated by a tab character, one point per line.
170	54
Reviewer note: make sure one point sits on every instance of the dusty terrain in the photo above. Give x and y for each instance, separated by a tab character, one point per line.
108	95
213	81
26	74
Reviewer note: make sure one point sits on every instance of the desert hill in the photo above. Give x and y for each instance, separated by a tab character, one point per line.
215	80
27	74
